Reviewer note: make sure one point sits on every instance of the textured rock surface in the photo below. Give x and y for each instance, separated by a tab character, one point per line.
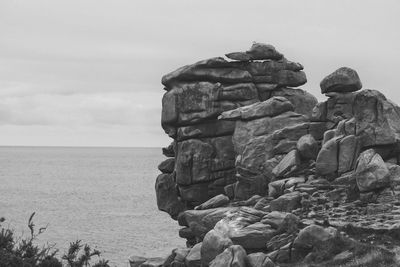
341	80
260	174
234	256
214	243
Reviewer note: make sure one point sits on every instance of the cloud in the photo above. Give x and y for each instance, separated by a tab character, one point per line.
71	70
80	109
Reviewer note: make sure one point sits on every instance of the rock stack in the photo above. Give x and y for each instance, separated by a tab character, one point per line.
196	95
261	174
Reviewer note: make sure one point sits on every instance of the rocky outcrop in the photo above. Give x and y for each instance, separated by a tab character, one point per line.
203	150
260	174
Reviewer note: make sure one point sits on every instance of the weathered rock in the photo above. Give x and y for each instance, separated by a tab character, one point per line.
269	108
193	259
302	101
287	165
247	186
206	129
339	106
192	103
167	166
243	227
259	259
348	152
247	132
313	235
276	188
376	119
371	171
214	243
213	70
167	195
153	262
307	147
207	219
240	56
234	256
215	202
259	51
342	80
204	160
136	261
253	236
169	151
282	221
194	194
327	159
286	202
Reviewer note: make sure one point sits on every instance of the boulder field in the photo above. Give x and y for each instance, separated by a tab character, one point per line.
260	174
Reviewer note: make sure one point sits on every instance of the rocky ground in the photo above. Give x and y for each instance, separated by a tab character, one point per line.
260	174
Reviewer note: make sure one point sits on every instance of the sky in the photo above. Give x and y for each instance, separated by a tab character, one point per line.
88	72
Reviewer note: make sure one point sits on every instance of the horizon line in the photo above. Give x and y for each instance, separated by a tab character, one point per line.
78	146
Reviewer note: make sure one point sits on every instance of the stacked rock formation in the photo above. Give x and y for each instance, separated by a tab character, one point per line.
196	95
260	174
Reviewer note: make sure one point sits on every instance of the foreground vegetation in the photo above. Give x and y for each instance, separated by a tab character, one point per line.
24	252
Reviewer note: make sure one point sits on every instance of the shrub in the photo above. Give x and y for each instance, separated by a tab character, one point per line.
25	253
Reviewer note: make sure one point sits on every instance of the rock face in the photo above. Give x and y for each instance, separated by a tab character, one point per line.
203	148
260	174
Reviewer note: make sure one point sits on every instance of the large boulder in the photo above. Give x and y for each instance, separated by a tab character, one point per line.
376	119
341	80
307	147
214	243
244	228
263	51
202	221
313	235
371	171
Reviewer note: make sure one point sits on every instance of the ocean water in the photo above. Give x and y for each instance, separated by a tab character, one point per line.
102	196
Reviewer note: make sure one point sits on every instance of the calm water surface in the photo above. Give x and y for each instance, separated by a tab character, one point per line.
103	196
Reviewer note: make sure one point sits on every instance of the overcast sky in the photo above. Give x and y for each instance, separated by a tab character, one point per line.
87	73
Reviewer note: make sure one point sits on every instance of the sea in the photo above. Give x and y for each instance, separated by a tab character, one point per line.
104	197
